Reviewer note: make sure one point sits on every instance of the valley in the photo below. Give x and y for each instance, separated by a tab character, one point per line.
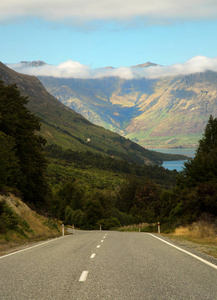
90	175
69	129
168	112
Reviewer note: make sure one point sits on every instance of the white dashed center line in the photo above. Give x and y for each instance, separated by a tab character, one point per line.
83	276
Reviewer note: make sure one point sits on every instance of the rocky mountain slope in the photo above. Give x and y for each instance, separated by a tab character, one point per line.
63	126
164	112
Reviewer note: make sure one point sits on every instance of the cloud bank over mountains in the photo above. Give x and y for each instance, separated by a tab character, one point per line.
72	69
78	11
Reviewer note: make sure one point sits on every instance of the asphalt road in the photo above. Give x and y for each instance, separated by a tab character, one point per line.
106	265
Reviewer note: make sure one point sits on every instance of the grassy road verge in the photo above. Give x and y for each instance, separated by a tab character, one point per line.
21	226
201	236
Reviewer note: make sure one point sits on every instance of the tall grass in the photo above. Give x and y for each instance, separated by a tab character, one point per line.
201	230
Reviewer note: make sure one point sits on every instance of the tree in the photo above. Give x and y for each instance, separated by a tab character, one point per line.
147	200
196	187
209	141
21	128
68	195
92	214
126	194
9	163
203	167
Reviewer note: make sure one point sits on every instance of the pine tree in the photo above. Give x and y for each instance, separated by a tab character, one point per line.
209	141
18	123
203	167
197	187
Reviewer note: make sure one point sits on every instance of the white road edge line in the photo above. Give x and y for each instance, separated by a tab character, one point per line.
101	241
83	276
98	246
29	248
93	255
189	253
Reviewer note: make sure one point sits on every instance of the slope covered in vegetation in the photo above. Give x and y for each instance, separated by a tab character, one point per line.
67	183
19	224
87	189
135	194
65	127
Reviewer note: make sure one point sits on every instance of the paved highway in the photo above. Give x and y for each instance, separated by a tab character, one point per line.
107	265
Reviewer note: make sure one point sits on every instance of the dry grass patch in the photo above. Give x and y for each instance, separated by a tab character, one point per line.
201	236
201	231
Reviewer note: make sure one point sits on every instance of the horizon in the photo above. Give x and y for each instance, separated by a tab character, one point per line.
102	33
72	69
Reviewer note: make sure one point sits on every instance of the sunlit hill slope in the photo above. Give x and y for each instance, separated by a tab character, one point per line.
164	112
63	126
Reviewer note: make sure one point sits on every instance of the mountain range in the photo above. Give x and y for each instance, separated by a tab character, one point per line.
67	128
165	112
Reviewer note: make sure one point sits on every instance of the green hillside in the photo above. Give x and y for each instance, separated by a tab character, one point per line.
63	126
78	187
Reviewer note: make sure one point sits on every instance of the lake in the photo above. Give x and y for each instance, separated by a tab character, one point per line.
177	164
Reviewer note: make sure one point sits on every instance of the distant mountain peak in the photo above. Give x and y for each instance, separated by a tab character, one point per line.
35	63
145	65
109	67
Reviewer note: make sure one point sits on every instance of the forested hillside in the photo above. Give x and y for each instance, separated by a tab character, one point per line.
65	127
77	187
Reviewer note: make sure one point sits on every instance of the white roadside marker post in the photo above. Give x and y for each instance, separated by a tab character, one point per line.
158	227
139	227
63	230
100	227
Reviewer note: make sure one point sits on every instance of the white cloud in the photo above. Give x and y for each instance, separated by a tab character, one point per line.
71	69
115	10
68	69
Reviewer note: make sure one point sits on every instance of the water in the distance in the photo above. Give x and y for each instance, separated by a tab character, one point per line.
177	164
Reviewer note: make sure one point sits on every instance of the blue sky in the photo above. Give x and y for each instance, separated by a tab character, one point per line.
108	33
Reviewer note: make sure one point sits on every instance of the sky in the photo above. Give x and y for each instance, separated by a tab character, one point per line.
77	37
